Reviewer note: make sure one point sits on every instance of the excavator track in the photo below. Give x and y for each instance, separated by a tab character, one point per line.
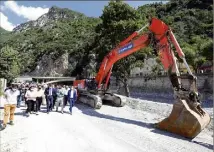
96	101
92	100
114	99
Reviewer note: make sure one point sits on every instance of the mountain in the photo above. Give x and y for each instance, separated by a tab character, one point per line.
49	45
54	14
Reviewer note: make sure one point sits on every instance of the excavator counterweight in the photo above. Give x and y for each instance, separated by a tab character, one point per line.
187	118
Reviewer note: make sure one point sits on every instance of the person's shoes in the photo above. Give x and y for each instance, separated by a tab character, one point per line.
27	114
62	112
47	112
37	113
70	113
11	123
2	127
30	112
56	110
18	106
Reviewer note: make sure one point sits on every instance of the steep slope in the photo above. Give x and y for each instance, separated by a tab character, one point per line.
5	35
3	31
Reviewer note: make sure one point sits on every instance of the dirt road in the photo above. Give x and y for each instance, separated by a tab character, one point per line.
109	129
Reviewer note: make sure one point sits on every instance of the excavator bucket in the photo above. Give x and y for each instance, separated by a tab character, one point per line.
184	121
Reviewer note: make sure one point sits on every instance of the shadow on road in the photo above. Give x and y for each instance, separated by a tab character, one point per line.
209	146
19	113
91	112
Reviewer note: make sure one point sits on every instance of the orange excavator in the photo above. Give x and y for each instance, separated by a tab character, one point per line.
187	118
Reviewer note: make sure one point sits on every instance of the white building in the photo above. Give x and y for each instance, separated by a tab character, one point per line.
149	65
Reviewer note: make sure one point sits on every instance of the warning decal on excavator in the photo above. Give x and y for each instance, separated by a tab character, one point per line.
125	48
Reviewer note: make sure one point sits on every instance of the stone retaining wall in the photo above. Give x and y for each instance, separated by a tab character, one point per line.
160	88
163	84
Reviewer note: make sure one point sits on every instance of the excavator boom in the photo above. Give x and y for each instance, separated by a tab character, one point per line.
187	117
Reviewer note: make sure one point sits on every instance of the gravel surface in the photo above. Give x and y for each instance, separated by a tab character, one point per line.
110	129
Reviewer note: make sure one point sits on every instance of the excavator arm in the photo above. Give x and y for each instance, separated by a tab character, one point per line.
118	53
160	35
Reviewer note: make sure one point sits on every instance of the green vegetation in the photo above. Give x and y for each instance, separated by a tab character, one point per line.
90	39
55	38
192	23
119	20
5	35
9	63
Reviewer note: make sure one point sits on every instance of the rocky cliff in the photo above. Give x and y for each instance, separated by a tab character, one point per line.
49	67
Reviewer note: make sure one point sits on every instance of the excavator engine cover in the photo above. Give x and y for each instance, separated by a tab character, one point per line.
185	121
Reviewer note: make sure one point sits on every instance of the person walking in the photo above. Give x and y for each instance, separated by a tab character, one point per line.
60	96
54	96
19	98
44	96
65	90
31	100
11	96
49	96
26	88
72	97
40	94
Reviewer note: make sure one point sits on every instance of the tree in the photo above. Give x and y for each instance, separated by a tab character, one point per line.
207	49
198	51
9	66
119	20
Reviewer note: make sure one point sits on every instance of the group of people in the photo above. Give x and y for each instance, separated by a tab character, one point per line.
60	95
34	95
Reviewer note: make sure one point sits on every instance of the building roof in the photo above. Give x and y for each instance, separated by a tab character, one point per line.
53	77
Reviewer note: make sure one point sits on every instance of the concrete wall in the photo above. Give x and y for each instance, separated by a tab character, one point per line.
163	84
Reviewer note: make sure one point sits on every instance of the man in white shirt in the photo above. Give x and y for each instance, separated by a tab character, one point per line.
10	105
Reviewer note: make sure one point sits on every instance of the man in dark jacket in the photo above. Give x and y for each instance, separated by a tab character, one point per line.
54	96
49	92
72	97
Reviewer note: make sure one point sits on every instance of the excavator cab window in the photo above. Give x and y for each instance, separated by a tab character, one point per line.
91	84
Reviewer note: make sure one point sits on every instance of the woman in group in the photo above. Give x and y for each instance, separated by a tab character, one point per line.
31	95
40	93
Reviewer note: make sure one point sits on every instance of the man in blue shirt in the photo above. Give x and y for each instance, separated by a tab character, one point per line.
72	97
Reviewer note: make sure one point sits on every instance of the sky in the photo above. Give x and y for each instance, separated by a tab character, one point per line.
13	13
